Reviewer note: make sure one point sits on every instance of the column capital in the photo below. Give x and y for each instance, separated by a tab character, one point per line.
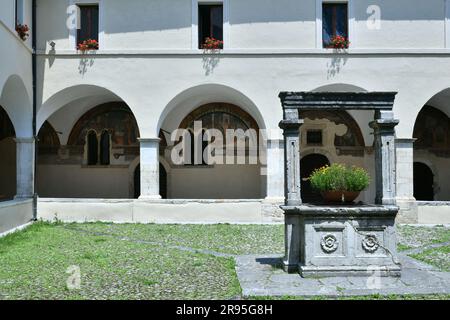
149	140
291	124
25	140
405	140
384	124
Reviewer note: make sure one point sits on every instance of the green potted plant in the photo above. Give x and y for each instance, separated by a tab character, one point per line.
338	183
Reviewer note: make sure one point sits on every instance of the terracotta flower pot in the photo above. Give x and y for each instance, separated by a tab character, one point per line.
340	196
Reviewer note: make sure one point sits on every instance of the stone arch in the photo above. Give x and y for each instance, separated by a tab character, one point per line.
15	100
414	104
219	181
48	140
432	147
96	118
423	182
75	101
436	140
106	176
219	107
194	97
339	87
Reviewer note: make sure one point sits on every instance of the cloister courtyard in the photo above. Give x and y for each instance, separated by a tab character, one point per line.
135	261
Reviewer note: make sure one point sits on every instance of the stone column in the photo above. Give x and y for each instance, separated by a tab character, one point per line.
275	172
292	182
292	179
25	167
149	168
405	181
385	164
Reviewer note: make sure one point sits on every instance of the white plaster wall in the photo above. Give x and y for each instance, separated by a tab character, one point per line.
7	13
259	78
434	214
404	24
138	211
160	24
272	24
147	24
15	70
14	214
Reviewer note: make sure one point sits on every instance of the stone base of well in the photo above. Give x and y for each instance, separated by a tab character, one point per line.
327	241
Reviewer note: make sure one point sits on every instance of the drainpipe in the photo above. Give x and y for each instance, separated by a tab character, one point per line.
33	32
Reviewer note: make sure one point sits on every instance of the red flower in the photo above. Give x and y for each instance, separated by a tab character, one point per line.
212	44
339	42
22	31
89	44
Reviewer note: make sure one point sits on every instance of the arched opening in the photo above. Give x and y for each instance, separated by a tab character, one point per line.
105	148
95	155
162	181
333	137
423	182
230	171
432	145
92	148
137	182
308	164
7	158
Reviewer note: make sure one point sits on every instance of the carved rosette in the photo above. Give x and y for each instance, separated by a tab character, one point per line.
370	243
329	243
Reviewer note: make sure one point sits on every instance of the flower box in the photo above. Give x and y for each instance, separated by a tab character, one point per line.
339	42
87	45
212	44
22	30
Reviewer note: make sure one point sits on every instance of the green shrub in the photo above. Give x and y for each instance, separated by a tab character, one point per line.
338	177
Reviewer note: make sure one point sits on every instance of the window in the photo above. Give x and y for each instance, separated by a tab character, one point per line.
314	137
334	21
88	23
210	22
92	148
105	143
19	12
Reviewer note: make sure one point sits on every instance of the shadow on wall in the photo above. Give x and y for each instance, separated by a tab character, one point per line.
85	63
210	62
335	65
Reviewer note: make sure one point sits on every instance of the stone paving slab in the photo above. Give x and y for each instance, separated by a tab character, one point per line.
263	276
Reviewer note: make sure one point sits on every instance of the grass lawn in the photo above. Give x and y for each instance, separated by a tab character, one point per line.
131	261
438	257
35	261
413	237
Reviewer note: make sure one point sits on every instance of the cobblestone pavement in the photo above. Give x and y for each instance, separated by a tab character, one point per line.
263	276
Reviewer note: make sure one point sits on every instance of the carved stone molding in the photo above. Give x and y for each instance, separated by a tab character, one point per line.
329	243
370	243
